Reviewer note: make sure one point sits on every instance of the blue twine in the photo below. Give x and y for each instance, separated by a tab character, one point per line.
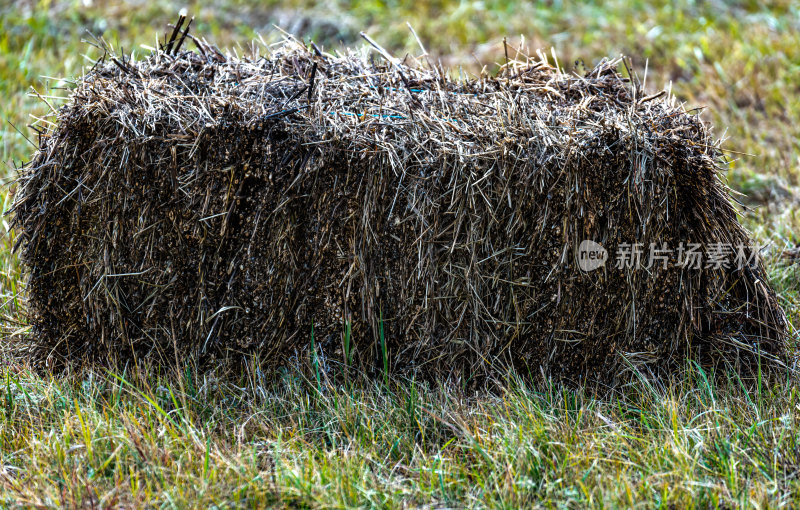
384	116
369	114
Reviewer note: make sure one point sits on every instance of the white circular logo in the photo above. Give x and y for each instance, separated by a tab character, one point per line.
591	255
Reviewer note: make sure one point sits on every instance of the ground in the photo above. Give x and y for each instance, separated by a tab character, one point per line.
196	439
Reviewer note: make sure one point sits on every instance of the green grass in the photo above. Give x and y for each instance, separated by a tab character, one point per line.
204	439
197	439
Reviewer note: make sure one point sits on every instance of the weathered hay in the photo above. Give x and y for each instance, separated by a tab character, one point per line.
198	205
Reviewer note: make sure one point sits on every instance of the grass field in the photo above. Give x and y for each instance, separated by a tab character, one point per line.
197	439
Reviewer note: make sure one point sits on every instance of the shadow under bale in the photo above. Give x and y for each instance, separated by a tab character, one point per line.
196	205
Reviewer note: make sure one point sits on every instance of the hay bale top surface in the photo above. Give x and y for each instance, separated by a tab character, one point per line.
404	112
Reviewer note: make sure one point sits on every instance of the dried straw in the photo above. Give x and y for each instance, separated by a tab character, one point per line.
198	205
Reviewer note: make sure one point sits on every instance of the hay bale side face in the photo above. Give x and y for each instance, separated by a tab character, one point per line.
204	205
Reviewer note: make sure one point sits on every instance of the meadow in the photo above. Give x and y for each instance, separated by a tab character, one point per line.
130	437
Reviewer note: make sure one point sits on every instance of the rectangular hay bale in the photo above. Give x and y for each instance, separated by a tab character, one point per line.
217	205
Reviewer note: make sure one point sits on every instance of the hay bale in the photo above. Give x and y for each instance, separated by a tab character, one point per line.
199	205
